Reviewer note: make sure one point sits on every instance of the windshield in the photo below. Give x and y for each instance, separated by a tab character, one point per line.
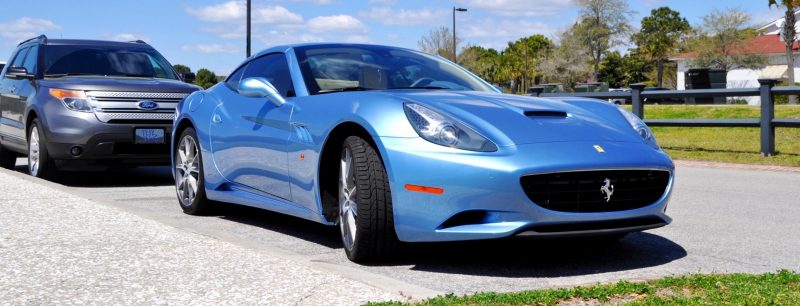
105	61
361	67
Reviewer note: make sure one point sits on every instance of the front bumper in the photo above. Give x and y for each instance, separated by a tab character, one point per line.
104	144
489	184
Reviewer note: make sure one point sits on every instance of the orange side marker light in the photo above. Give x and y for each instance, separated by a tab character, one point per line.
425	189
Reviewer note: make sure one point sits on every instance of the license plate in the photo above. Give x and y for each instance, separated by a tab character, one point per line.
149	136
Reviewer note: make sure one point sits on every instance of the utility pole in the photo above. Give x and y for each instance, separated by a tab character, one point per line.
248	28
455	41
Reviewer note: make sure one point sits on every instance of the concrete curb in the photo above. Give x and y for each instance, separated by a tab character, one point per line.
409	291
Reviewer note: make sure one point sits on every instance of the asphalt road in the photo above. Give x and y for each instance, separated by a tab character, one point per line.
725	220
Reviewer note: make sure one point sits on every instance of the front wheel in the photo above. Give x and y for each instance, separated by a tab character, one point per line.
189	180
40	164
365	219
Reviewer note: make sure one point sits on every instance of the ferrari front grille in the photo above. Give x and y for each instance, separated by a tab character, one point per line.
596	191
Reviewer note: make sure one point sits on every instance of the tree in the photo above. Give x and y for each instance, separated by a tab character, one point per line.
566	63
603	25
523	55
789	35
481	61
438	41
621	71
660	35
720	43
182	69
205	78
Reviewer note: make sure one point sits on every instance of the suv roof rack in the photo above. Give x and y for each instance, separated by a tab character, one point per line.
42	37
138	41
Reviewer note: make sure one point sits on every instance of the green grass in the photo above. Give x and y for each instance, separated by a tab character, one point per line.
781	288
732	145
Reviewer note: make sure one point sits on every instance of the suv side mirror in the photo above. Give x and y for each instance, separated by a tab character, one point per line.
260	88
18	73
188	77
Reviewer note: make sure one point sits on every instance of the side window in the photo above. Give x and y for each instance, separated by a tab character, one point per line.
31	60
20	58
17	58
275	69
235	77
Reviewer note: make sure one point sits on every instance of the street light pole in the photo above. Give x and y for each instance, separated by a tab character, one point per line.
455	41
248	28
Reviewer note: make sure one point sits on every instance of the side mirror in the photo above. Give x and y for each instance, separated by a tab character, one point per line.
260	88
18	73
188	77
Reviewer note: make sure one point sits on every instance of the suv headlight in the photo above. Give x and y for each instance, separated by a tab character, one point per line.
443	130
639	126
73	99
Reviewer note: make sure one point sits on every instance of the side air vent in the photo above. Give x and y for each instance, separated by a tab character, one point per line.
546	113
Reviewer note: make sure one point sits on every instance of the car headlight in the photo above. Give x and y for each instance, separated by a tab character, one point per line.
73	99
639	126
443	130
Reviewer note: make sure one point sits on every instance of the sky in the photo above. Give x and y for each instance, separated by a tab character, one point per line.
211	33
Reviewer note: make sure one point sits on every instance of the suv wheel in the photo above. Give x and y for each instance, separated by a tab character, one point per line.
40	164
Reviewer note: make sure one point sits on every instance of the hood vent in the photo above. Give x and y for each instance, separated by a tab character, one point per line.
546	113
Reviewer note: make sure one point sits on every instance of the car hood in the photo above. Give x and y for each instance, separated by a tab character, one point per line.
119	84
512	119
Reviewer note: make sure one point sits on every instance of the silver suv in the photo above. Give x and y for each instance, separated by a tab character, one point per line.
82	104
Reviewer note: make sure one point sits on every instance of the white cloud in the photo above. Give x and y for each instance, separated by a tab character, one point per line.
519	7
492	33
403	17
336	23
357	39
129	37
236	11
26	27
212	48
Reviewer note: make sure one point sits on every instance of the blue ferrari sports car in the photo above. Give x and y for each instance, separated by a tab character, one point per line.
393	145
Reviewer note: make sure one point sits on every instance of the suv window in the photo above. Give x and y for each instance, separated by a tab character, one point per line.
236	76
61	60
31	59
20	58
275	69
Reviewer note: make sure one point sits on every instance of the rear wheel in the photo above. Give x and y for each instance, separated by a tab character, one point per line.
40	164
189	180
365	203
8	159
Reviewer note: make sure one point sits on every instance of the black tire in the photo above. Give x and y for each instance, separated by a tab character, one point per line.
8	159
40	164
375	237
195	202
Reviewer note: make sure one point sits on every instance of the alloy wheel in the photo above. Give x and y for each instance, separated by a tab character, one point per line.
348	207
33	152
187	166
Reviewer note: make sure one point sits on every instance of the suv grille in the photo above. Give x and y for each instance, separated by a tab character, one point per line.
118	106
582	191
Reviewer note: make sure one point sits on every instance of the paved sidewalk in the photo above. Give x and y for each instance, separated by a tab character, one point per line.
57	248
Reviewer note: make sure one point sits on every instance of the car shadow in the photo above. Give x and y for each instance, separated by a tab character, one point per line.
118	177
502	258
542	258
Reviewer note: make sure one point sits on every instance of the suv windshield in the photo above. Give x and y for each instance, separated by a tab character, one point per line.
363	67
105	61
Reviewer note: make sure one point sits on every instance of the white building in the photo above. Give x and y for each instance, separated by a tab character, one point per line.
769	45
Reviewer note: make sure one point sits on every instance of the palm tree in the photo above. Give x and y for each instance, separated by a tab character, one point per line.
789	34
